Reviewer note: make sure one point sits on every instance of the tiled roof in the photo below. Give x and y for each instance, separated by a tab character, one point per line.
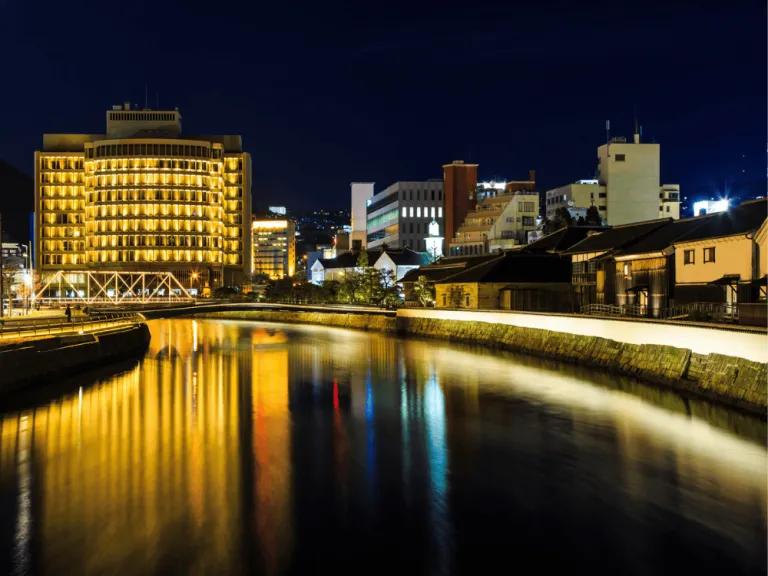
517	267
747	217
447	267
663	237
561	239
617	236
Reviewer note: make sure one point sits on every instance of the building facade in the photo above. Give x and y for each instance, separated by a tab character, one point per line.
362	192
627	188
143	198
399	216
504	215
274	248
459	185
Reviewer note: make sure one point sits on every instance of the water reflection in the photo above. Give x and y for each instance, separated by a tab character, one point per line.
240	448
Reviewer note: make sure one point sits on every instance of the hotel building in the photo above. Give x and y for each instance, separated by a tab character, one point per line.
143	198
274	247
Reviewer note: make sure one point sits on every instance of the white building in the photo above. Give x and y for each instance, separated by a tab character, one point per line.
362	192
399	216
627	188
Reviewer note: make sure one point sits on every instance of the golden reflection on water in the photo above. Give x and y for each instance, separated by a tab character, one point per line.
152	470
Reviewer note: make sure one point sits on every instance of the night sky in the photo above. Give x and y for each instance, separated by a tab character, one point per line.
325	94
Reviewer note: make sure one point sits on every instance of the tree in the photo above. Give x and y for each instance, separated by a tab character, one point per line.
593	217
424	290
563	218
362	259
329	291
391	289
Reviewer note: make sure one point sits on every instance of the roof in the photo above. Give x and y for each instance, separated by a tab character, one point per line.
446	267
348	259
617	237
663	237
560	240
516	267
408	257
742	219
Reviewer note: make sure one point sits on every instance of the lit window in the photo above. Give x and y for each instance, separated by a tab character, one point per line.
709	255
433	208
689	257
418	211
439	211
410	212
627	270
405	212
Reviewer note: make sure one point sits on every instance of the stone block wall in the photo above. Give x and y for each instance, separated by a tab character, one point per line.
374	322
735	381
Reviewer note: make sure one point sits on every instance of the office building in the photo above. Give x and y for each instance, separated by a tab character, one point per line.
362	192
274	248
503	217
459	185
142	198
627	188
399	216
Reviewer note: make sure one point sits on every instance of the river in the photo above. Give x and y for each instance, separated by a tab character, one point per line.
237	447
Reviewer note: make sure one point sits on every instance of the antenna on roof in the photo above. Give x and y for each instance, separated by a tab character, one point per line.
637	130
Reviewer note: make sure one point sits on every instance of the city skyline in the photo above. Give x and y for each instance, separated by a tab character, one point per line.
361	116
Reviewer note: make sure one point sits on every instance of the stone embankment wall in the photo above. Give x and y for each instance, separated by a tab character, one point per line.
735	381
375	322
732	380
31	361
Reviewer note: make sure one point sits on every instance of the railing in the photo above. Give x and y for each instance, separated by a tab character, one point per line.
611	310
33	327
703	311
584	278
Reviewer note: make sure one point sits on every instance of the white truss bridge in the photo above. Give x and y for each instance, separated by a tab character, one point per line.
87	286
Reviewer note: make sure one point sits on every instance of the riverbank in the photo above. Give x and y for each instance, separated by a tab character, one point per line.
729	379
27	362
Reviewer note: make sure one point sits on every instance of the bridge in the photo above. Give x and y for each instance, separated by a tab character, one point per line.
204	307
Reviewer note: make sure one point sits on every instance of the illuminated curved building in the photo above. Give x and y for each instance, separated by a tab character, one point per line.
144	198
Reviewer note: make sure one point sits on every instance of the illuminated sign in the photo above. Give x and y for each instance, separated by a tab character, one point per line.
269	224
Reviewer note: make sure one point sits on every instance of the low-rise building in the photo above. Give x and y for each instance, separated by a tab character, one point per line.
503	217
724	260
513	280
399	262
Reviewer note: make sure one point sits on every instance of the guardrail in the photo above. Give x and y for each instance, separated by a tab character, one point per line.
33	327
612	310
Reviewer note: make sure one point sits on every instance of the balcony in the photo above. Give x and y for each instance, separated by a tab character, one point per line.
584	278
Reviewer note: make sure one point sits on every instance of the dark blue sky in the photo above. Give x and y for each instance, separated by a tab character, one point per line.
325	94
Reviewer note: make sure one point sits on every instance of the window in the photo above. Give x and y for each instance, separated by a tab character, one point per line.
439	211
602	194
410	212
445	303
466	300
405	212
433	195
439	194
433	208
709	254
668	211
621	157
689	257
528	221
510	219
411	227
603	208
418	194
418	211
627	270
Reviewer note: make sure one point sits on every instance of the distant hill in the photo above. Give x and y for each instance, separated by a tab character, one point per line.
17	201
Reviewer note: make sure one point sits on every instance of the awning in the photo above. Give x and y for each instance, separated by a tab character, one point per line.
637	288
726	280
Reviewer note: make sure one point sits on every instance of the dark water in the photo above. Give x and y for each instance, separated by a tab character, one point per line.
254	448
